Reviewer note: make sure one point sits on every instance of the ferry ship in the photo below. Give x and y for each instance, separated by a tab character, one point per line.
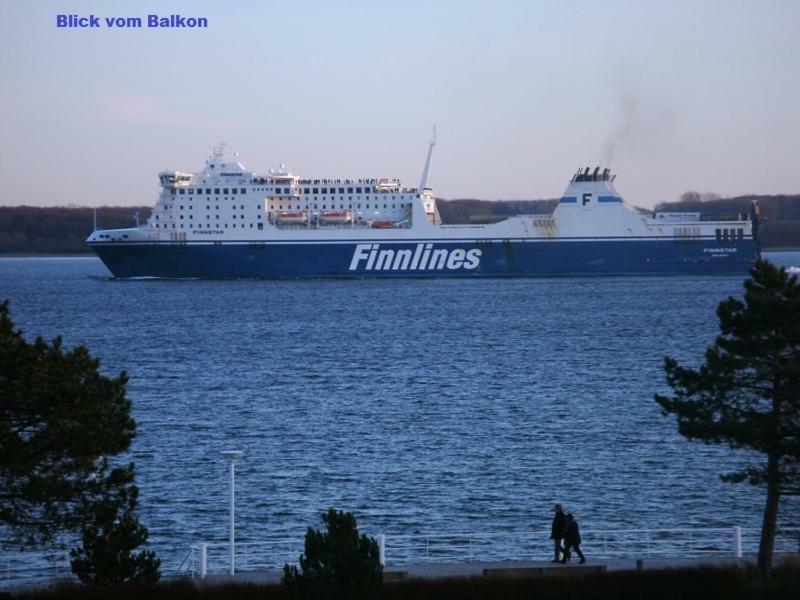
229	222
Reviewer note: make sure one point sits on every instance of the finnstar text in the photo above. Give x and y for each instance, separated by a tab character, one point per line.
227	222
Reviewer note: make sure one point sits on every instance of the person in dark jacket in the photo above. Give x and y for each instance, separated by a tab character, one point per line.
572	540
557	531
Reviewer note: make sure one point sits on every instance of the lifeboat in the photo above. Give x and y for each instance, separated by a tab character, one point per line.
382	224
335	216
291	216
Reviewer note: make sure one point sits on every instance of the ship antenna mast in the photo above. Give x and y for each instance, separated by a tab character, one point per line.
424	180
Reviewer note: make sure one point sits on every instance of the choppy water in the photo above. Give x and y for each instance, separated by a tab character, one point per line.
421	406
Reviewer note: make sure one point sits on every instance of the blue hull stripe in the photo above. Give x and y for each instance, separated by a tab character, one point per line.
489	258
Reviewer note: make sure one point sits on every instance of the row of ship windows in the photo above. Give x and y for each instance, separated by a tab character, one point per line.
208	207
207	217
208	191
729	234
286	191
208	226
333	206
297	207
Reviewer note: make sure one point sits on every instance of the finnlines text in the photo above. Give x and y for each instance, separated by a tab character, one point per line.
152	21
370	257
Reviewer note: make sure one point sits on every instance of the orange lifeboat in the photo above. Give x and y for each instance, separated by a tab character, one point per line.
291	216
382	224
335	216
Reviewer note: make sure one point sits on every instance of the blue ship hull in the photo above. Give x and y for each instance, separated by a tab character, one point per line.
490	258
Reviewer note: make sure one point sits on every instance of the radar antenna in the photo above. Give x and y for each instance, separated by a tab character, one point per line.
424	180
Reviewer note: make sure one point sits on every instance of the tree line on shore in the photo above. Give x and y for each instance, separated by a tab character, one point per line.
63	230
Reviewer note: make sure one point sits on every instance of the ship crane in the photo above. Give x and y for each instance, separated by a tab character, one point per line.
424	180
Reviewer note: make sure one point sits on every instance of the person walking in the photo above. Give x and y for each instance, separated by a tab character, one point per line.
557	531
572	540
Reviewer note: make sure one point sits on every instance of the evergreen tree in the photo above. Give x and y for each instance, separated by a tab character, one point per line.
60	423
108	542
747	392
337	564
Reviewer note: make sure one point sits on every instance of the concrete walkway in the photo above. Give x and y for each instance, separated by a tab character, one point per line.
475	569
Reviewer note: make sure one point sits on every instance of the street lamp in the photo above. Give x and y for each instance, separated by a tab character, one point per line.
232	456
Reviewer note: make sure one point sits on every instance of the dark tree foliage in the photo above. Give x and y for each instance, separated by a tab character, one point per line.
747	393
107	554
59	229
60	421
337	564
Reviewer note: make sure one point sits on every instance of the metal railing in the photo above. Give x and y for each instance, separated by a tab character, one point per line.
397	550
209	558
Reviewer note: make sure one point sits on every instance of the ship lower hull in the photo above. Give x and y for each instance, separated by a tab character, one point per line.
427	258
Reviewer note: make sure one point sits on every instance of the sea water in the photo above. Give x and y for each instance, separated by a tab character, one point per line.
422	406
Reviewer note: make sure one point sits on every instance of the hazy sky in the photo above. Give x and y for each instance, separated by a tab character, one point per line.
676	95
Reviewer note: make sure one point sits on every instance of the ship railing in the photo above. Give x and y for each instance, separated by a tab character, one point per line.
398	550
725	217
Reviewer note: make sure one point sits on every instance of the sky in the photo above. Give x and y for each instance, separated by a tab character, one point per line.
673	96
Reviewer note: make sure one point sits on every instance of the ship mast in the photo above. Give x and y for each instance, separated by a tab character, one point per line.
424	180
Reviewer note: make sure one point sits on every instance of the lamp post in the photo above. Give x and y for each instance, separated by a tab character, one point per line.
232	456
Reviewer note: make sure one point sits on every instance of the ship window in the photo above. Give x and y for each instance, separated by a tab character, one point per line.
349	190
226	225
216	190
261	226
306	190
241	216
341	190
234	216
191	191
156	217
324	206
357	205
233	191
719	234
172	191
208	207
285	190
324	190
368	205
224	190
358	190
251	225
181	206
181	191
208	190
384	206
